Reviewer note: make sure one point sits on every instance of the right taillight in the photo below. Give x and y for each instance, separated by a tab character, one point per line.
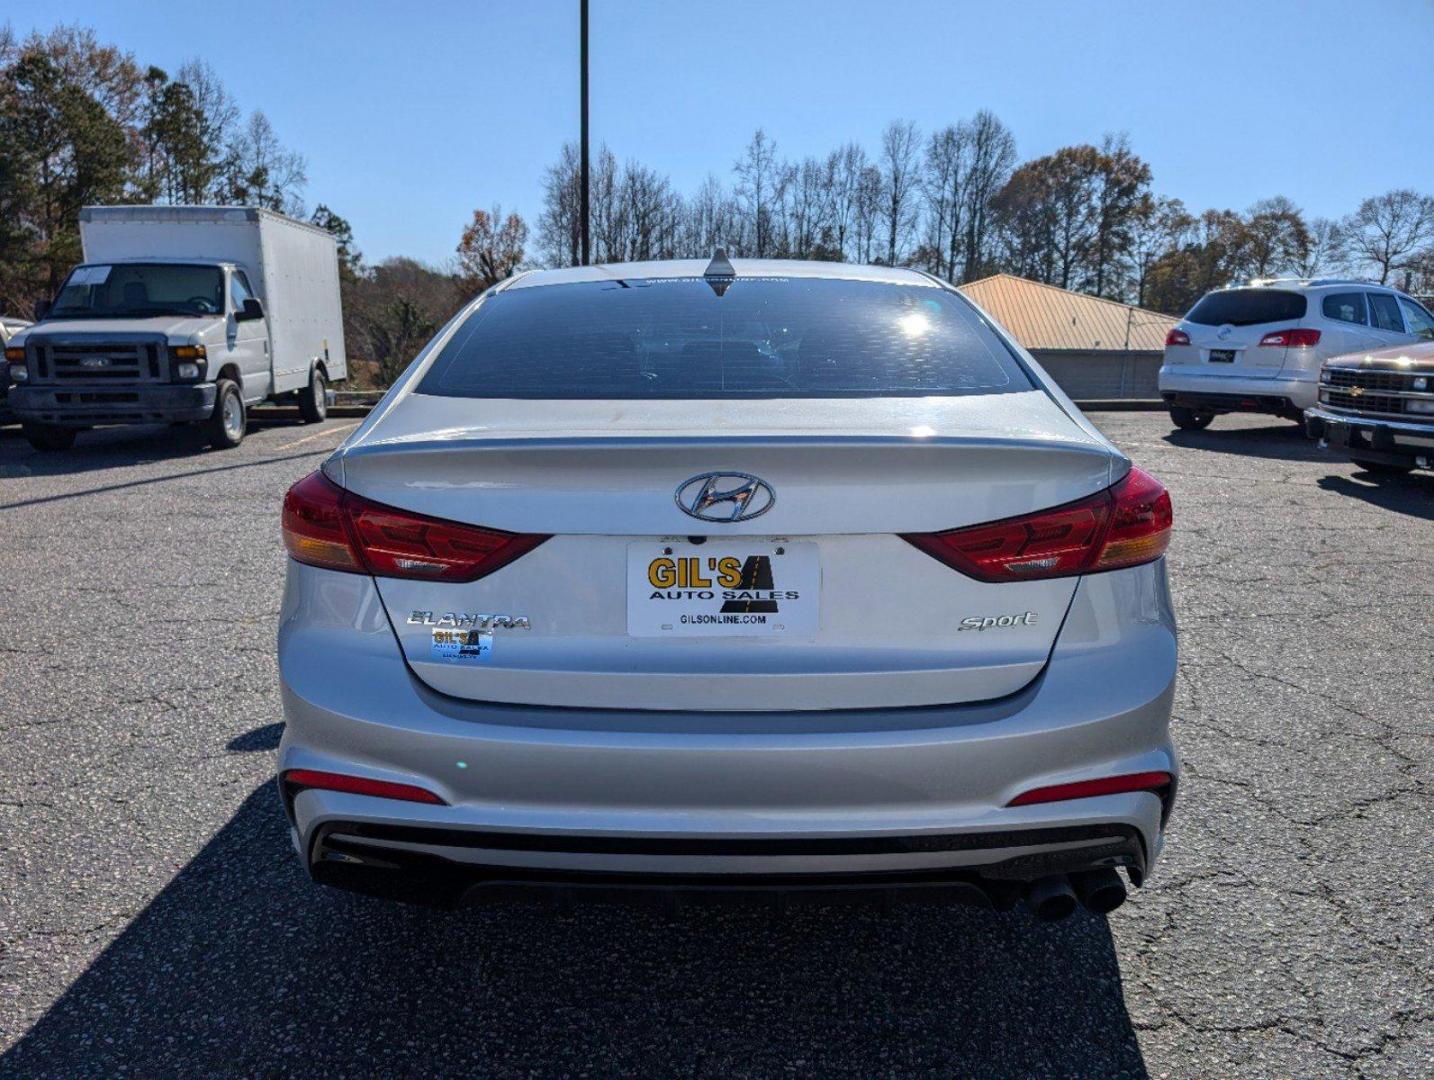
1290	339
326	526
1177	337
1125	525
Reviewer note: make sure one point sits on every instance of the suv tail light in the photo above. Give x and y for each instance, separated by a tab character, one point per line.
1177	337
1124	525
1291	339
324	525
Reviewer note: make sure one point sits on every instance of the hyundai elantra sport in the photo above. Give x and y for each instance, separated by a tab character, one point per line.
737	575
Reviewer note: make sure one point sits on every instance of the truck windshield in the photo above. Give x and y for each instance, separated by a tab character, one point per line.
136	290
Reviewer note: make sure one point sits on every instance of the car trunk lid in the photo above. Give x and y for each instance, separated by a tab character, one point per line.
816	603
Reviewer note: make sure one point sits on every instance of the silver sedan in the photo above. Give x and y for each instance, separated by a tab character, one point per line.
739	575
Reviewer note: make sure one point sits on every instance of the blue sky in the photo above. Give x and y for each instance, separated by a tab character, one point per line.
411	115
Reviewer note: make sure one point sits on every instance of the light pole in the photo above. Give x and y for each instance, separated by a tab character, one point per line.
583	64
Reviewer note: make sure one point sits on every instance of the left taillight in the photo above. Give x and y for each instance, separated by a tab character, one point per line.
297	780
1125	525
326	526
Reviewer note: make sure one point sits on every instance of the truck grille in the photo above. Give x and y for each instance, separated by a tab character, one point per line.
1376	392
1377	403
73	361
1369	380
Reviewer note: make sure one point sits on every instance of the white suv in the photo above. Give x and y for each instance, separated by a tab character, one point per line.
1259	347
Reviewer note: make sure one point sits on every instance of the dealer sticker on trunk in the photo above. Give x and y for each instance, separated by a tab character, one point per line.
722	588
472	646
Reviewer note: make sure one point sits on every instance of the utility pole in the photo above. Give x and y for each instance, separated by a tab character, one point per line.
583	212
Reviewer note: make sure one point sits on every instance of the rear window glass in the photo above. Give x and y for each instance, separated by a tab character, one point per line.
1345	307
762	338
1246	307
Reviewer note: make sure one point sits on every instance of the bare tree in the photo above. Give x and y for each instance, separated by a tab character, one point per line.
866	213
650	212
712	220
900	153
943	188
1389	231
846	167
559	224
1326	252
809	208
606	222
992	150
756	191
260	171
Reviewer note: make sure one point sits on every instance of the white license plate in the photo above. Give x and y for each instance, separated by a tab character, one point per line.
722	588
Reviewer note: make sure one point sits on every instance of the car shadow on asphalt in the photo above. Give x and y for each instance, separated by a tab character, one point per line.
117	447
1281	441
241	966
1411	494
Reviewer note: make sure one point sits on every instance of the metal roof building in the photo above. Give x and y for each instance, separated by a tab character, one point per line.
1094	348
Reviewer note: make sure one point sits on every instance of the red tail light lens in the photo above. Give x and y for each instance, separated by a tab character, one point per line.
324	525
1155	782
1124	525
296	780
1177	337
314	529
1291	339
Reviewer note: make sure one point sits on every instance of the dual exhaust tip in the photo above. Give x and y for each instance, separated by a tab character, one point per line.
1098	891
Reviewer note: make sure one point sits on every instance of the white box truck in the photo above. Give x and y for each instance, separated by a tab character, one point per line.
182	313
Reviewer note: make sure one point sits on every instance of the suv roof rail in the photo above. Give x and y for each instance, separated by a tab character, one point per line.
1256	283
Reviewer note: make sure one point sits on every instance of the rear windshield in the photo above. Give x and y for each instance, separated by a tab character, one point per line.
762	338
1246	307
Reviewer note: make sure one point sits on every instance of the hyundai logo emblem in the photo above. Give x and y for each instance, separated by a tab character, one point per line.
725	496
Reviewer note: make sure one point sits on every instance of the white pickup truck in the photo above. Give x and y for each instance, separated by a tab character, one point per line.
182	313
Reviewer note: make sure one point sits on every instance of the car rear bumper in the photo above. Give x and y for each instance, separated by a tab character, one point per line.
1191	386
81	406
841	800
1393	442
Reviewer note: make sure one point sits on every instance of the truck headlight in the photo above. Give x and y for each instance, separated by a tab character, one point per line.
1419	406
189	352
19	373
187	371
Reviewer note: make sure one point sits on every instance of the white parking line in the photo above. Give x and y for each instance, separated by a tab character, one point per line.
318	435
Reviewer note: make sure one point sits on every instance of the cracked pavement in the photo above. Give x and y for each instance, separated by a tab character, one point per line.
153	919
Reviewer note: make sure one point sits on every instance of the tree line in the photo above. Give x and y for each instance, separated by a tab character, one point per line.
85	123
959	203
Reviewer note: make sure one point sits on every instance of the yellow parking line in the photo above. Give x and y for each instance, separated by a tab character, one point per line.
318	435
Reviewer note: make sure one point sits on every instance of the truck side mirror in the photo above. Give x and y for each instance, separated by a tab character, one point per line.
42	308
252	309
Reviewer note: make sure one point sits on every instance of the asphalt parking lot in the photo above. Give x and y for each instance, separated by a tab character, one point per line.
153	919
